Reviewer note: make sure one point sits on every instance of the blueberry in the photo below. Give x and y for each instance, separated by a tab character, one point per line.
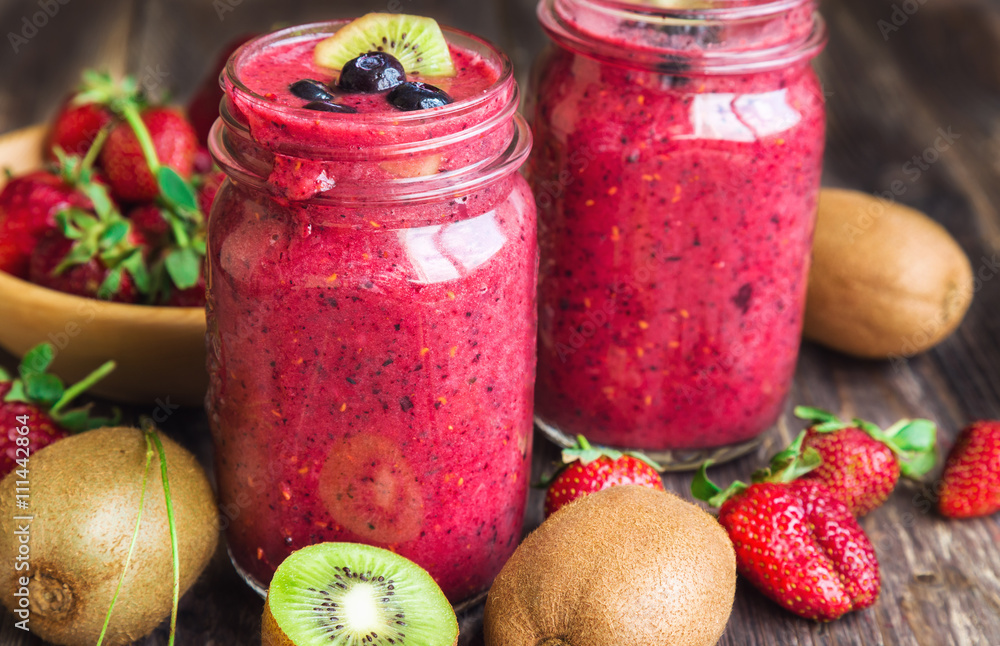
418	96
371	72
329	106
310	90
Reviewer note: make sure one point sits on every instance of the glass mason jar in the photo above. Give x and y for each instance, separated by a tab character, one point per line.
372	327
676	170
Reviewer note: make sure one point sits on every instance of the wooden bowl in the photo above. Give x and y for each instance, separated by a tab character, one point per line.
160	351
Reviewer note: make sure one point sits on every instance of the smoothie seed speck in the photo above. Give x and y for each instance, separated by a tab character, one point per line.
343	407
684	314
451	295
424	351
615	234
677	193
643	325
586	303
649	400
612	190
331	278
640	99
453	350
374	224
647	178
589	202
639	352
674	344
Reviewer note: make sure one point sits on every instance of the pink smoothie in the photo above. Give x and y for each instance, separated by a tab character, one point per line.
675	220
372	361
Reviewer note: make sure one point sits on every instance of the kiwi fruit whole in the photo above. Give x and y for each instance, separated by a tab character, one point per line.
626	566
83	501
347	594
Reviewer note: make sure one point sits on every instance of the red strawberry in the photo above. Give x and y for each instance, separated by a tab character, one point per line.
31	408
75	127
587	470
971	477
41	432
149	223
795	541
28	207
190	297
209	188
203	109
861	462
123	161
85	279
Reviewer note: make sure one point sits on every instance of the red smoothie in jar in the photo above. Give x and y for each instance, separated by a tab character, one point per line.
372	317
676	208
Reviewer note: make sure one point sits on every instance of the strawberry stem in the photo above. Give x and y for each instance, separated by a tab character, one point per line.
76	389
131	547
130	112
173	535
94	150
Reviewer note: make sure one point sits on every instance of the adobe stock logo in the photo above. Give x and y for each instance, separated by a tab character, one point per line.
31	24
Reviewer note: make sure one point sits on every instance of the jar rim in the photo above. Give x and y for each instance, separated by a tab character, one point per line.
310	30
681	62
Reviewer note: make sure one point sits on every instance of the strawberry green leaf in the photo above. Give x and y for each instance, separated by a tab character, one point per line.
77	420
913	435
830	427
175	189
135	265
4	375
816	415
790	464
37	360
916	465
111	285
16	393
702	488
43	388
184	268
113	234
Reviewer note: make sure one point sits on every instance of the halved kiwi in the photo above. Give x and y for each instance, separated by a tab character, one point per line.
347	594
415	41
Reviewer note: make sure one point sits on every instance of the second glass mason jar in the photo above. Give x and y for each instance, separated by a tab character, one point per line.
676	170
371	311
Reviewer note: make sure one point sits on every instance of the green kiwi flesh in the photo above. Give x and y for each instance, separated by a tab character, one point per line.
415	41
347	594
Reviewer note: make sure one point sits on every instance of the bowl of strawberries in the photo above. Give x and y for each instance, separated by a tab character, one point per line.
102	242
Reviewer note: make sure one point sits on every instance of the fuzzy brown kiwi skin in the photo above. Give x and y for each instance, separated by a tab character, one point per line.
270	633
84	497
574	579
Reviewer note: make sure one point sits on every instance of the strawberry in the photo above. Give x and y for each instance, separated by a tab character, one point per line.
861	462
31	408
150	223
75	128
124	159
586	470
28	207
92	278
190	297
970	483
795	541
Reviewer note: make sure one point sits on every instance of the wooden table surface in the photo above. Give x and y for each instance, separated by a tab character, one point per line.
893	77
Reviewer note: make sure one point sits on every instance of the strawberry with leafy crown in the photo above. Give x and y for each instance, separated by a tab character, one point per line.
33	410
587	469
28	208
861	462
970	482
795	541
162	175
124	156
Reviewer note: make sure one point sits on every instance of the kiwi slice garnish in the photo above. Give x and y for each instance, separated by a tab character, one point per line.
416	41
347	594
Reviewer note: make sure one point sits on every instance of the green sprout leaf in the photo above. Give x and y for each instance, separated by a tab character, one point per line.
184	267
112	284
176	190
37	360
